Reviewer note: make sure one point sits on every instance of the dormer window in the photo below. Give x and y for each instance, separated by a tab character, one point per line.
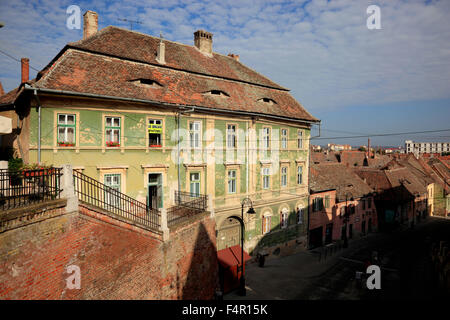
147	83
267	100
217	93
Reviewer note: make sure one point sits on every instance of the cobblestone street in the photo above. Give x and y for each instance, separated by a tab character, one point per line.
406	271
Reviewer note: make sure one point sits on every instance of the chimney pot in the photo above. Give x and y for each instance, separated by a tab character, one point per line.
25	68
203	41
234	56
90	24
2	92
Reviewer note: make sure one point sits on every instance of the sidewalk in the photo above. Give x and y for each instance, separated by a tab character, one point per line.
281	277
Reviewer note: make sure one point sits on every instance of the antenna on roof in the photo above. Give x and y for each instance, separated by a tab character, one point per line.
131	22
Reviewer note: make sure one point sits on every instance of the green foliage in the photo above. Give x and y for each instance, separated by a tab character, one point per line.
15	164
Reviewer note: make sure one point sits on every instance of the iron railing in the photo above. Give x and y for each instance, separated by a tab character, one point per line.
112	201
186	205
19	188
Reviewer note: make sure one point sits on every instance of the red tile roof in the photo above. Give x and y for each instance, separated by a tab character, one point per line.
327	176
85	72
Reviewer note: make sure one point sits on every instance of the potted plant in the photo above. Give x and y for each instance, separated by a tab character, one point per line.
112	144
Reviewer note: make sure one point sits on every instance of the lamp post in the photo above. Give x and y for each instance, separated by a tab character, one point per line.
246	201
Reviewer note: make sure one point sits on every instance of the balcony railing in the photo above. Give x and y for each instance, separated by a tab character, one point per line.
112	201
186	205
21	188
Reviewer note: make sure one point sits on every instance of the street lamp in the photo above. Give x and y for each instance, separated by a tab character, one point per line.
246	201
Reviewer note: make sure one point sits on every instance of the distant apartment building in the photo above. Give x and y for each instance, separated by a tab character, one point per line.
426	147
339	147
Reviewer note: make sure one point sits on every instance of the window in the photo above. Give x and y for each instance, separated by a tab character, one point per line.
317	204
363	204
284	218
66	130
327	201
266	221
231	136
112	195
300	139
299	175
283	138
300	215
194	134
283	176
266	178
112	132
232	181
369	203
195	183
266	138
154	133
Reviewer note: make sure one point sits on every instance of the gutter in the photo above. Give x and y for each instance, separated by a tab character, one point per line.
39	123
172	105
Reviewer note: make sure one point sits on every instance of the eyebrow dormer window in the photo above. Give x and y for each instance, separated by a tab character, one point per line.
147	83
217	93
267	100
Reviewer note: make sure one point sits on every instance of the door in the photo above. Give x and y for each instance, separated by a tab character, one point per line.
329	233
155	196
315	237
112	194
363	227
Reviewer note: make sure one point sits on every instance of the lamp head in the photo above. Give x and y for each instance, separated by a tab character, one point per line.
251	211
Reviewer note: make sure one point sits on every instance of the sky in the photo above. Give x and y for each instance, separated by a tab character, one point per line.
358	81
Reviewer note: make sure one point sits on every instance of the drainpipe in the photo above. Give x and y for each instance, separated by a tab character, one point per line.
39	125
180	110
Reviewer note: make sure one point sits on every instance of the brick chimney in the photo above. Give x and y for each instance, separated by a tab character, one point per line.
234	56
25	68
2	92
203	41
90	24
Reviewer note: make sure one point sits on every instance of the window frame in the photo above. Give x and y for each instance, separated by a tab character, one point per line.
285	176
300	138
266	224
299	174
266	138
195	182
284	138
112	128
161	139
66	126
284	218
235	137
264	176
193	133
232	179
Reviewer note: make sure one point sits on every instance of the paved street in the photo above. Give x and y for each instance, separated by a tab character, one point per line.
405	269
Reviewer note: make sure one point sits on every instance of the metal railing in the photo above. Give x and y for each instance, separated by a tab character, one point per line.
21	188
97	194
186	205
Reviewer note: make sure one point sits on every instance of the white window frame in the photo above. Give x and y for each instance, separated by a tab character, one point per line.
194	184
232	181
266	224
284	138
266	138
65	126
265	172
195	134
113	128
231	136
299	175
300	139
300	212
284	177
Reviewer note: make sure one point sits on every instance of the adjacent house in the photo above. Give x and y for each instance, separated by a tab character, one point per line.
341	204
148	117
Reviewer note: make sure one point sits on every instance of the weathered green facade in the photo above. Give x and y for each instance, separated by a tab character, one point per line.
134	160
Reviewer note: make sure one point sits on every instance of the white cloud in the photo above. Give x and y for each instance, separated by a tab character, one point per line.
321	50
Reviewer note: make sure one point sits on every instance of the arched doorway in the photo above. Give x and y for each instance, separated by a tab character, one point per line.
229	233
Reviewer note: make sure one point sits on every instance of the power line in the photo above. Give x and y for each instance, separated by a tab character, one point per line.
10	56
381	134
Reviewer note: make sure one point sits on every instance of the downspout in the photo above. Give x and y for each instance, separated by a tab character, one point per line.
39	125
309	189
248	146
178	142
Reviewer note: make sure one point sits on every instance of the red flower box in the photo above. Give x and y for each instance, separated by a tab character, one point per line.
112	144
155	146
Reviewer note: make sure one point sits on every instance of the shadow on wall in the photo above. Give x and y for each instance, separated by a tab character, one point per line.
283	239
202	274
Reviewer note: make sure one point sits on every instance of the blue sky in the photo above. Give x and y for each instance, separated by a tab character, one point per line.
396	79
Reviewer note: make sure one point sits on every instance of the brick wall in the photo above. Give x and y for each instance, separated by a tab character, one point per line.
116	261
